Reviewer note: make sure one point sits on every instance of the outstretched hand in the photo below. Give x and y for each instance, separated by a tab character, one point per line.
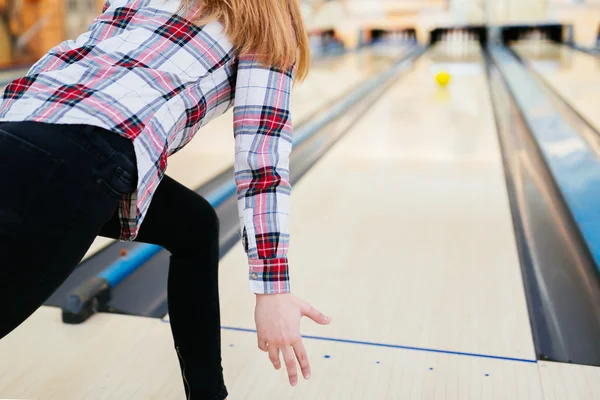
278	319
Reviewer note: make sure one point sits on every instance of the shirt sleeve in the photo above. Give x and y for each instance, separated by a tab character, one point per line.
263	143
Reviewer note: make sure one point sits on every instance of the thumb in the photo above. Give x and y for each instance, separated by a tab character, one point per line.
317	316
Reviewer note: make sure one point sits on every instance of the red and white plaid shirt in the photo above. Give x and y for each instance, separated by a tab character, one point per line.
150	75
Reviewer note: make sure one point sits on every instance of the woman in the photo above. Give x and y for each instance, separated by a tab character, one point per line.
84	142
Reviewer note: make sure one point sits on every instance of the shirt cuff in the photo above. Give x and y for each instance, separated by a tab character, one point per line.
269	276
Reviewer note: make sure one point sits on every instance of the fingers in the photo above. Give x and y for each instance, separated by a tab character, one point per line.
262	344
274	356
316	316
290	364
302	359
290	355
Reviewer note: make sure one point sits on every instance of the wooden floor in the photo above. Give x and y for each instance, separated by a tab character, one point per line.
424	288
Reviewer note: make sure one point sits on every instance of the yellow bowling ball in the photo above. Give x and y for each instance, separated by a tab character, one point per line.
443	78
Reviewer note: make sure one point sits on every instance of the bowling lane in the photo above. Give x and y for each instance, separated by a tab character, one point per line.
211	151
403	231
573	74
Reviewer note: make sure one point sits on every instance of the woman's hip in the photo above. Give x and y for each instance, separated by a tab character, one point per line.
52	176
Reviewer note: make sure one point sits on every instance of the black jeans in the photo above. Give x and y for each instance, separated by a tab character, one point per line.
60	187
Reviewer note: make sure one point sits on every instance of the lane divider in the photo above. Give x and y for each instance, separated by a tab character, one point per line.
93	295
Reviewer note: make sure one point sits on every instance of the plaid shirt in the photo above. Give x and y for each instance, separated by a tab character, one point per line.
149	74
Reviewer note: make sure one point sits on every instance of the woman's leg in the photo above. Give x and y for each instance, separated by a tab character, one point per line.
186	225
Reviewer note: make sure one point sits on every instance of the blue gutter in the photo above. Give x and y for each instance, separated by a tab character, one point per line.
573	163
115	273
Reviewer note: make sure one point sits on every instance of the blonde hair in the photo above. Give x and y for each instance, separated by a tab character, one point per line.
273	30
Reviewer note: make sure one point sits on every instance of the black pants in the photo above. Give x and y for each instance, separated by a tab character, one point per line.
59	188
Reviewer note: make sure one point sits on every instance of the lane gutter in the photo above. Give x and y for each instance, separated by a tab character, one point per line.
559	271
